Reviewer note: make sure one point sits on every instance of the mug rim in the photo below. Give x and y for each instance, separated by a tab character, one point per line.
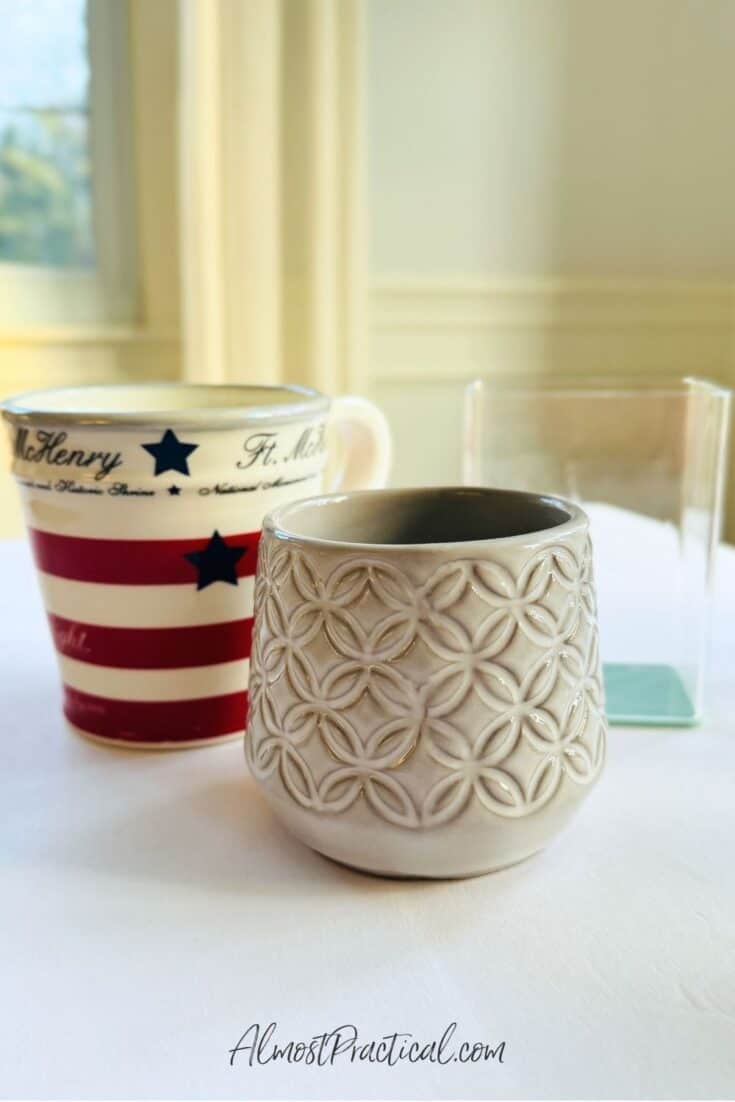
28	407
276	522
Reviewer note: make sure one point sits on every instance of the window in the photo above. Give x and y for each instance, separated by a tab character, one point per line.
66	213
94	299
45	177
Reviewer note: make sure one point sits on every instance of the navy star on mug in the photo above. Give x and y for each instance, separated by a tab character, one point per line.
170	453
217	562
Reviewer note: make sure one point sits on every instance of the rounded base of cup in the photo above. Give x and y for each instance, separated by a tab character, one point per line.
385	874
131	744
473	844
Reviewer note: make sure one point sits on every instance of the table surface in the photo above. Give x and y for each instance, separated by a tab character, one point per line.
152	911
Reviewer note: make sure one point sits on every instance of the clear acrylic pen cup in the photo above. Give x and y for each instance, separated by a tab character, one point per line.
646	459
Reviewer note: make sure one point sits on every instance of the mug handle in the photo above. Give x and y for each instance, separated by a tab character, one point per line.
360	445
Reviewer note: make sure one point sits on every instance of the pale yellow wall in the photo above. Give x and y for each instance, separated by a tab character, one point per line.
564	138
551	190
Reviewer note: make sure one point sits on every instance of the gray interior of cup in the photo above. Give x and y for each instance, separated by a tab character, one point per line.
423	516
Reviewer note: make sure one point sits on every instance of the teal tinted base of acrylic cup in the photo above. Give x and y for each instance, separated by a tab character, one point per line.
647	695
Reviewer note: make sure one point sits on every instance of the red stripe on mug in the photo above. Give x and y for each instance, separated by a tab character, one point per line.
156	721
132	562
152	648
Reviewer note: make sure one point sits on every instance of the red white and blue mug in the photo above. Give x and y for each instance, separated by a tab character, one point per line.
144	505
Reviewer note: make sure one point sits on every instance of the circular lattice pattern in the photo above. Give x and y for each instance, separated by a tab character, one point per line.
490	677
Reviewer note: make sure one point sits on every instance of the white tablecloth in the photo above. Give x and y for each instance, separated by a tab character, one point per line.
152	910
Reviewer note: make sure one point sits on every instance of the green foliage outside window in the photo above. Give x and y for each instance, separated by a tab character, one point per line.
45	189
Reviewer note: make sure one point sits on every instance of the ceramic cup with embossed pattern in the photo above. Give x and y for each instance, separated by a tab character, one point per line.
144	505
425	681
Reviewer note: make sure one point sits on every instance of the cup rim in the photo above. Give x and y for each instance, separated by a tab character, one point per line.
276	522
36	406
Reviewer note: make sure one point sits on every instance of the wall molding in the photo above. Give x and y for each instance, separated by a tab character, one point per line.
550	303
441	329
